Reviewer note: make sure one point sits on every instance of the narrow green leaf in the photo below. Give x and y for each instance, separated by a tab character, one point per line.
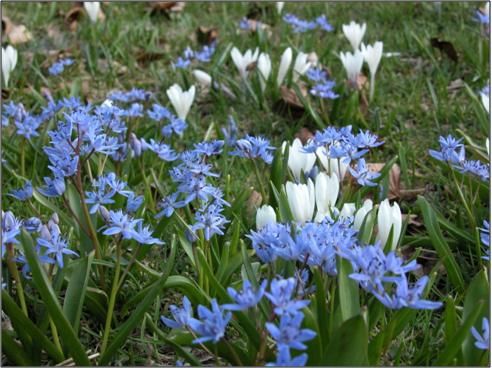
348	290
43	286
13	351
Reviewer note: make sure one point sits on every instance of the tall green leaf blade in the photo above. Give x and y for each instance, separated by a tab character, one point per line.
348	290
43	286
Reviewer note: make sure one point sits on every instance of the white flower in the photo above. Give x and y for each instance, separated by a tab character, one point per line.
389	217
265	215
242	61
181	100
485	101
326	190
265	68
92	8
320	216
299	160
301	200
9	61
332	165
280	6
352	64
487	146
301	65
107	103
372	55
362	213
285	62
348	210
204	79
354	33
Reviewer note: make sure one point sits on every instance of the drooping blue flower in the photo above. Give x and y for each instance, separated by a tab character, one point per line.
254	147
58	67
32	224
206	53
248	297
317	75
56	246
212	323
143	235
283	297
363	175
181	63
27	126
289	332
164	151
230	133
284	358
133	202
23	193
167	205
181	316
11	227
482	341
53	187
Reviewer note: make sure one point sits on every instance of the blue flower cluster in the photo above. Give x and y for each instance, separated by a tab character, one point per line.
204	55
134	95
253	147
342	144
191	178
23	193
58	67
453	153
176	125
323	87
301	25
319	244
286	299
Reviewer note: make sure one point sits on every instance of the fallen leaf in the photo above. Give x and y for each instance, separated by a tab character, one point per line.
289	96
254	201
74	15
456	85
145	57
207	35
394	178
6	25
445	47
5	94
304	134
15	33
167	6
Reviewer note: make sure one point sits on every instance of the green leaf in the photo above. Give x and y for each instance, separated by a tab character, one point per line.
21	323
348	346
348	290
452	348
321	307
46	203
77	287
43	286
440	244
13	351
126	328
450	320
282	203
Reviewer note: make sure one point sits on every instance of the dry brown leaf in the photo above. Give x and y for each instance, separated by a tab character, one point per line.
254	201
395	184
167	6
15	33
289	96
73	16
446	48
5	94
304	134
456	85
6	25
145	57
361	81
207	35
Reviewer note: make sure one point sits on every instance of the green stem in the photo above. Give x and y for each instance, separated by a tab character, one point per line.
54	332
15	274
262	189
128	267
23	158
112	298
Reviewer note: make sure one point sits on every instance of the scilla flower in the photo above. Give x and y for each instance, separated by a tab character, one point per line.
372	56
354	33
389	217
285	62
92	8
265	215
243	61
352	64
265	68
9	61
482	341
299	161
301	198
181	100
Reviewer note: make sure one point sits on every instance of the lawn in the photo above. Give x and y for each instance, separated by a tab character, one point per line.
130	214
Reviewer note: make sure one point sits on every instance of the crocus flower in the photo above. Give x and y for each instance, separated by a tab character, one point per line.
348	210
265	68
265	215
332	165
9	61
326	190
181	100
92	8
301	200
354	33
285	62
389	217
352	64
243	61
299	160
301	65
485	96
280	6
372	56
204	79
361	213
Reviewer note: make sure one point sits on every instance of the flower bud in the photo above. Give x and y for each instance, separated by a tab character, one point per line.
265	215
389	217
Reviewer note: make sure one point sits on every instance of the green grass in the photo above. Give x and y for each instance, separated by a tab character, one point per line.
413	106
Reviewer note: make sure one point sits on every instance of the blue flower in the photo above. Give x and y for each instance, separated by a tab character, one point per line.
23	193
27	127
134	203
253	147
248	297
299	25
11	227
167	205
56	245
181	63
323	23
181	316
143	235
164	151
481	17
121	223
206	53
324	90
482	340
485	238
317	75
209	148
284	359
289	333
282	292
32	224
212	323
54	187
363	175
59	66
210	220
133	95
230	133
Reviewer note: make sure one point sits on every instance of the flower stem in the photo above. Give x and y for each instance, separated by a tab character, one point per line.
112	298
54	332
15	274
372	87
262	189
